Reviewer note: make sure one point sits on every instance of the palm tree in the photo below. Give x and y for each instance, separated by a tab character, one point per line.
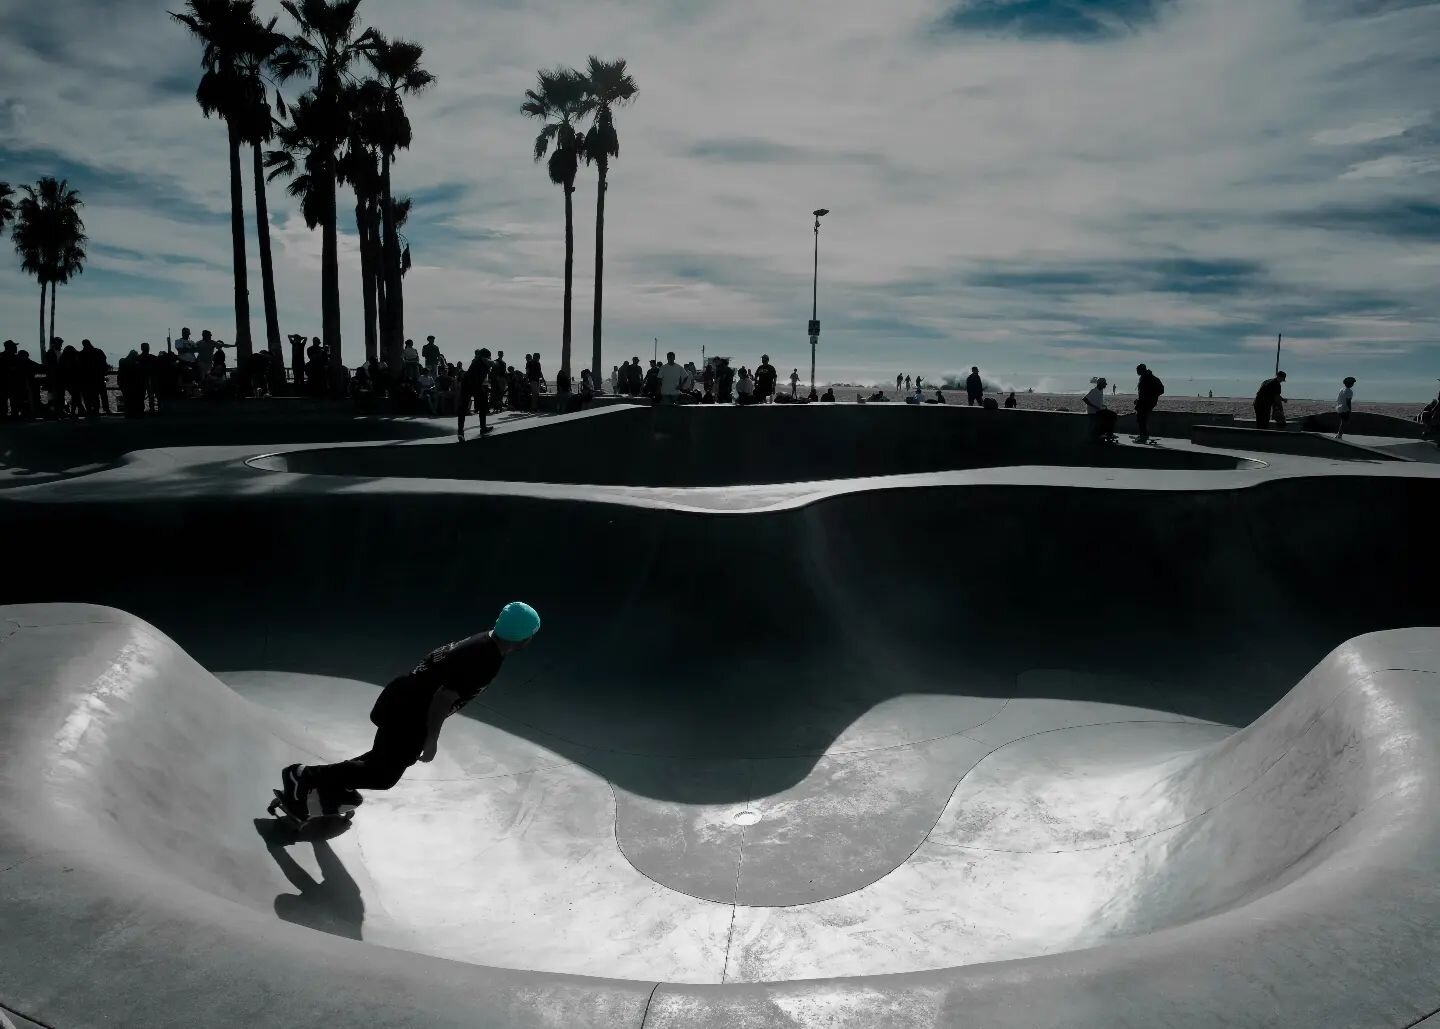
258	130
7	205
397	74
326	46
359	166
50	239
560	100
609	86
226	28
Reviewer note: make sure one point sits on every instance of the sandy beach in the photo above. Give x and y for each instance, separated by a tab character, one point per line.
1122	402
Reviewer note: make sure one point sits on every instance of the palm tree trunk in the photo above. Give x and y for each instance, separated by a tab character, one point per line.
330	267
43	345
595	365
569	275
367	277
267	267
242	273
393	328
54	292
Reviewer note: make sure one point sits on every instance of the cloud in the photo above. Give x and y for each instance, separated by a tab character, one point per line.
1399	218
1085	20
1198	173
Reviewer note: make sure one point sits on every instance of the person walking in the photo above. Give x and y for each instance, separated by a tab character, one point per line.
149	379
1343	403
1147	394
1267	399
409	714
475	387
794	381
899	382
974	387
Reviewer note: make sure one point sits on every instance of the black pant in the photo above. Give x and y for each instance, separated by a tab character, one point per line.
974	398
397	746
1262	416
1142	417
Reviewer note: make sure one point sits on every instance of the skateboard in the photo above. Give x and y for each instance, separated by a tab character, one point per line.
279	811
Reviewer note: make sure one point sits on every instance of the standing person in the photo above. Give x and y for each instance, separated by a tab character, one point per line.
148	378
431	353
1267	399
205	353
50	365
475	386
1010	401
532	379
8	372
899	381
132	385
765	378
669	379
1343	403
410	712
409	362
974	387
92	371
1102	419
794	381
1148	392
907	384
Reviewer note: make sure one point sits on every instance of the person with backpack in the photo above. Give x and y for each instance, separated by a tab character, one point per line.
475	386
1148	393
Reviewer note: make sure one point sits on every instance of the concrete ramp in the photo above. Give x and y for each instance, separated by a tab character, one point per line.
1074	861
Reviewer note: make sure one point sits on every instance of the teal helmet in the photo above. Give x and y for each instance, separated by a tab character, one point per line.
517	622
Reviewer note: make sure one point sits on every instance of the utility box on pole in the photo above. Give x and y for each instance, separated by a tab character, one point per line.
814	330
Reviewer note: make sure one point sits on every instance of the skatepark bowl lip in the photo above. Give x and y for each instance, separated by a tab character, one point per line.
101	870
696	446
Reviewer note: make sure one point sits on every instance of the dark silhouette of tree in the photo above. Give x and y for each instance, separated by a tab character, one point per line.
359	165
609	85
226	28
50	238
328	41
7	205
259	130
398	74
559	100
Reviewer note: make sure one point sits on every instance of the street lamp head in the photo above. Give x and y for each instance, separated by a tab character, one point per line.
822	212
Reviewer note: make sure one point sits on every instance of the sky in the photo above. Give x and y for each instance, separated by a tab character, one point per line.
1048	189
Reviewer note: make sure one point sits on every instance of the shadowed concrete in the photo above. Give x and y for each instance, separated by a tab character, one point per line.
721	446
1036	754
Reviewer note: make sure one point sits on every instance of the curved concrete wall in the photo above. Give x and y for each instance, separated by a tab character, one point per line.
700	446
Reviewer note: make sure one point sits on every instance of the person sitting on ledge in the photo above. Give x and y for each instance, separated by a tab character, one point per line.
1011	402
879	397
828	397
1101	418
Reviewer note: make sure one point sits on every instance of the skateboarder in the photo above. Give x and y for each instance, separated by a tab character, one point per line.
409	713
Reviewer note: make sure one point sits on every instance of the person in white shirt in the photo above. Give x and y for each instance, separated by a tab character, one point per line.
410	361
1343	403
1102	419
426	384
745	387
671	376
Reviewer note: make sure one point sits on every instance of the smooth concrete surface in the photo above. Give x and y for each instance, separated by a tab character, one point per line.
1305	444
1364	423
1012	747
722	446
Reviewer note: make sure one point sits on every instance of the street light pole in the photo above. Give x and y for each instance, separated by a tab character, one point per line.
815	298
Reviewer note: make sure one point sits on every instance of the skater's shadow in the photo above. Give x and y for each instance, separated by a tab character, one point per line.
333	904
